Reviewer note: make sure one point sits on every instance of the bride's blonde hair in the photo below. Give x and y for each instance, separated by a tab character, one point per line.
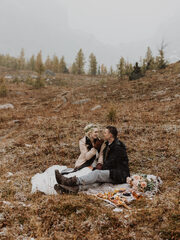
89	129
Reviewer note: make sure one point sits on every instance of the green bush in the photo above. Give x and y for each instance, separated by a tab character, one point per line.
39	83
3	90
112	116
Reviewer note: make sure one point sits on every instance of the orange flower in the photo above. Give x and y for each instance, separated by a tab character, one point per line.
143	184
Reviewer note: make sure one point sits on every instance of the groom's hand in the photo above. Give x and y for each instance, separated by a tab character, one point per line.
98	144
98	167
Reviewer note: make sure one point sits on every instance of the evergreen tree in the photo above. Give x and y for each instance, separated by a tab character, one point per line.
73	69
111	71
92	64
79	62
160	60
55	64
149	60
121	68
136	73
62	66
103	69
32	63
128	68
99	70
48	63
39	66
22	60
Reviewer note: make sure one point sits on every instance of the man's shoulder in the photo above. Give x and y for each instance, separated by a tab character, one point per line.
119	144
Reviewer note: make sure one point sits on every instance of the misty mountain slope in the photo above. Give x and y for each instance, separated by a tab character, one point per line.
43	129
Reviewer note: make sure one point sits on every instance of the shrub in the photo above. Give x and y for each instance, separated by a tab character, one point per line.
16	80
39	83
112	116
3	90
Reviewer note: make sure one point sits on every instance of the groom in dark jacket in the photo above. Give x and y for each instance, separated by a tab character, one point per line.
113	168
115	156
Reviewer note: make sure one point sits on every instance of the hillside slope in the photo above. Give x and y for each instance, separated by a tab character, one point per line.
43	129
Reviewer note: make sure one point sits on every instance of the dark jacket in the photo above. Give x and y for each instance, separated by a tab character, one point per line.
116	160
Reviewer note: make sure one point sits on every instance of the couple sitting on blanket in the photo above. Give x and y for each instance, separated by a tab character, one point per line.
109	155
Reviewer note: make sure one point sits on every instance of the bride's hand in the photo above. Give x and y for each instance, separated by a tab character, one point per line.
98	144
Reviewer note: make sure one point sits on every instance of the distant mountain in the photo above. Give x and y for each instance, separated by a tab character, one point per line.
32	28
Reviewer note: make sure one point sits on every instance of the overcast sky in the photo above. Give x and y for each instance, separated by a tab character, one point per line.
116	21
109	28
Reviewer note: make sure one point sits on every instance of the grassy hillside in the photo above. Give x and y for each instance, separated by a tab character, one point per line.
43	129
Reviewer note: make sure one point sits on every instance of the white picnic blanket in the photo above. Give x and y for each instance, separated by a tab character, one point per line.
44	182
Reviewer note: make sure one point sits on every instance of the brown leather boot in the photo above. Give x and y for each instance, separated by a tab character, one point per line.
72	181
58	189
68	189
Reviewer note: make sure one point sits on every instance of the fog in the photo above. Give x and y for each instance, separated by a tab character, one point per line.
108	28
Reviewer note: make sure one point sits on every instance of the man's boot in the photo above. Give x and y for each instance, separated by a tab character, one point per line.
72	181
66	189
58	189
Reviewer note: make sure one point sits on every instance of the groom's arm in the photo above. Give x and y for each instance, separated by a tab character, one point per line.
100	158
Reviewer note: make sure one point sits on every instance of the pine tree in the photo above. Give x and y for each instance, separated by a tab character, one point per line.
149	60
92	64
48	63
160	60
99	70
128	68
111	71
121	68
73	69
32	63
39	66
22	59
103	69
80	61
55	64
62	66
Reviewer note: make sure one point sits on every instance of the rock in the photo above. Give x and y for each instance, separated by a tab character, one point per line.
115	90
65	93
8	77
96	107
20	197
6	106
64	99
166	99
2	218
161	92
9	174
28	145
82	101
16	121
105	94
49	72
19	93
117	210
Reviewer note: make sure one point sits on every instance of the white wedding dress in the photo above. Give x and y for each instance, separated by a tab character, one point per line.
44	182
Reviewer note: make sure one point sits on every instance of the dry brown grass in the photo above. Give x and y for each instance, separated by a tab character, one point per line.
47	133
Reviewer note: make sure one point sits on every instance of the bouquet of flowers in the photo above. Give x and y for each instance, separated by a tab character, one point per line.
141	183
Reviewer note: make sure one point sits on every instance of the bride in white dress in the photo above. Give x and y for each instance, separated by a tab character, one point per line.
89	153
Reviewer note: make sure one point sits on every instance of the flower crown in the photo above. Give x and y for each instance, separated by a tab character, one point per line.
89	127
